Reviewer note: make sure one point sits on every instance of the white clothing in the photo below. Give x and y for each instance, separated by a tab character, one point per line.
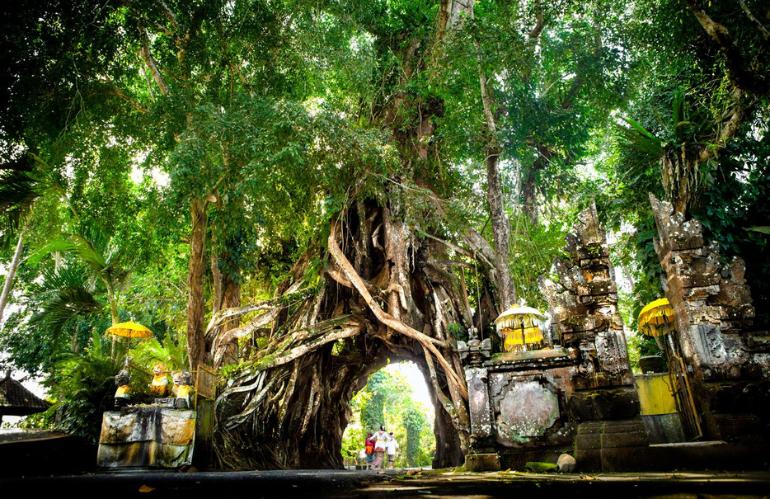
391	446
381	439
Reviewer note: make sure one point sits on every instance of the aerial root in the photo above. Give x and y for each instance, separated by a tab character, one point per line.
428	342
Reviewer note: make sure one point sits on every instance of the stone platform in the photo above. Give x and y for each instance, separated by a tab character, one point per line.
438	483
146	436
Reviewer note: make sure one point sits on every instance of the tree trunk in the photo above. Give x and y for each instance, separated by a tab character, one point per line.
528	181
226	290
112	299
8	285
449	453
196	344
289	406
528	186
231	298
114	316
500	227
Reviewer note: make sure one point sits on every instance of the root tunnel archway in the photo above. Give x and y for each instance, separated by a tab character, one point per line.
383	293
301	441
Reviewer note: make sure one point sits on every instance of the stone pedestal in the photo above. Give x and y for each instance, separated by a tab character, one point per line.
477	461
146	436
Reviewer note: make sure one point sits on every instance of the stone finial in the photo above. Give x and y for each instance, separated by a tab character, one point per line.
582	296
674	232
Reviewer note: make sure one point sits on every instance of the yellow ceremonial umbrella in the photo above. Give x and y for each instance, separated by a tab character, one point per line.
519	326
129	330
656	318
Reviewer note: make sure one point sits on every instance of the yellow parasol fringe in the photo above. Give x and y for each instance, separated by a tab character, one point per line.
656	318
129	330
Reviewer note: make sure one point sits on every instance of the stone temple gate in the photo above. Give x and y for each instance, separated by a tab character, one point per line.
578	395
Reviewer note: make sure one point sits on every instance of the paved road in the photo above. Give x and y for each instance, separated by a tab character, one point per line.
342	483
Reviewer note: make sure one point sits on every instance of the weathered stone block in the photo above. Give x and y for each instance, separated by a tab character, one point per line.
527	410
478	402
700	293
617	404
596	288
610	445
482	462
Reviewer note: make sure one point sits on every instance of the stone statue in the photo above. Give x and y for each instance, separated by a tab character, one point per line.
159	385
182	389
123	393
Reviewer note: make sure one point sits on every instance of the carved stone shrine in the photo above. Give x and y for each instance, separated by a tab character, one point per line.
530	405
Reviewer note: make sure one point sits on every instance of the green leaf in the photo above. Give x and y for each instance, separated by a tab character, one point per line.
643	131
59	244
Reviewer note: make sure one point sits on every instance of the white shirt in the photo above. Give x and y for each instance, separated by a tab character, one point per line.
392	447
380	441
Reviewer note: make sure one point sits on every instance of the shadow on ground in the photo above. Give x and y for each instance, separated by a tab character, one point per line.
392	483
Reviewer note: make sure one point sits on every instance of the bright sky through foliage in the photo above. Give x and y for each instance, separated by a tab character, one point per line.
416	383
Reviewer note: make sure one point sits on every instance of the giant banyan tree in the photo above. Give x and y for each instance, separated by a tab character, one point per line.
387	291
385	294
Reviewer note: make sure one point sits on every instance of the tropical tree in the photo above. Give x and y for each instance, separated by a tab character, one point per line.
22	183
58	314
294	186
105	260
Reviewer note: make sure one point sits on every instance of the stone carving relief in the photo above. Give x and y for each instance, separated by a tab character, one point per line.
582	296
523	408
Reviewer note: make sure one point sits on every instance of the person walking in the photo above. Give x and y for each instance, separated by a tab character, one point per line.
391	449
361	460
380	447
369	450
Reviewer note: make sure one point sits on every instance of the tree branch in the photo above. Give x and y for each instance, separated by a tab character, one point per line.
739	75
111	88
169	14
300	350
149	61
386	318
534	34
729	129
756	21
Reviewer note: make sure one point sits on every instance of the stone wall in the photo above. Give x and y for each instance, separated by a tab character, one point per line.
530	406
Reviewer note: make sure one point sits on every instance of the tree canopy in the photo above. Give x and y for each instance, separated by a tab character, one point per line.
240	175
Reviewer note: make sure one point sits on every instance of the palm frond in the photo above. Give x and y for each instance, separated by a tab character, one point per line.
59	244
63	298
762	229
88	253
640	139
